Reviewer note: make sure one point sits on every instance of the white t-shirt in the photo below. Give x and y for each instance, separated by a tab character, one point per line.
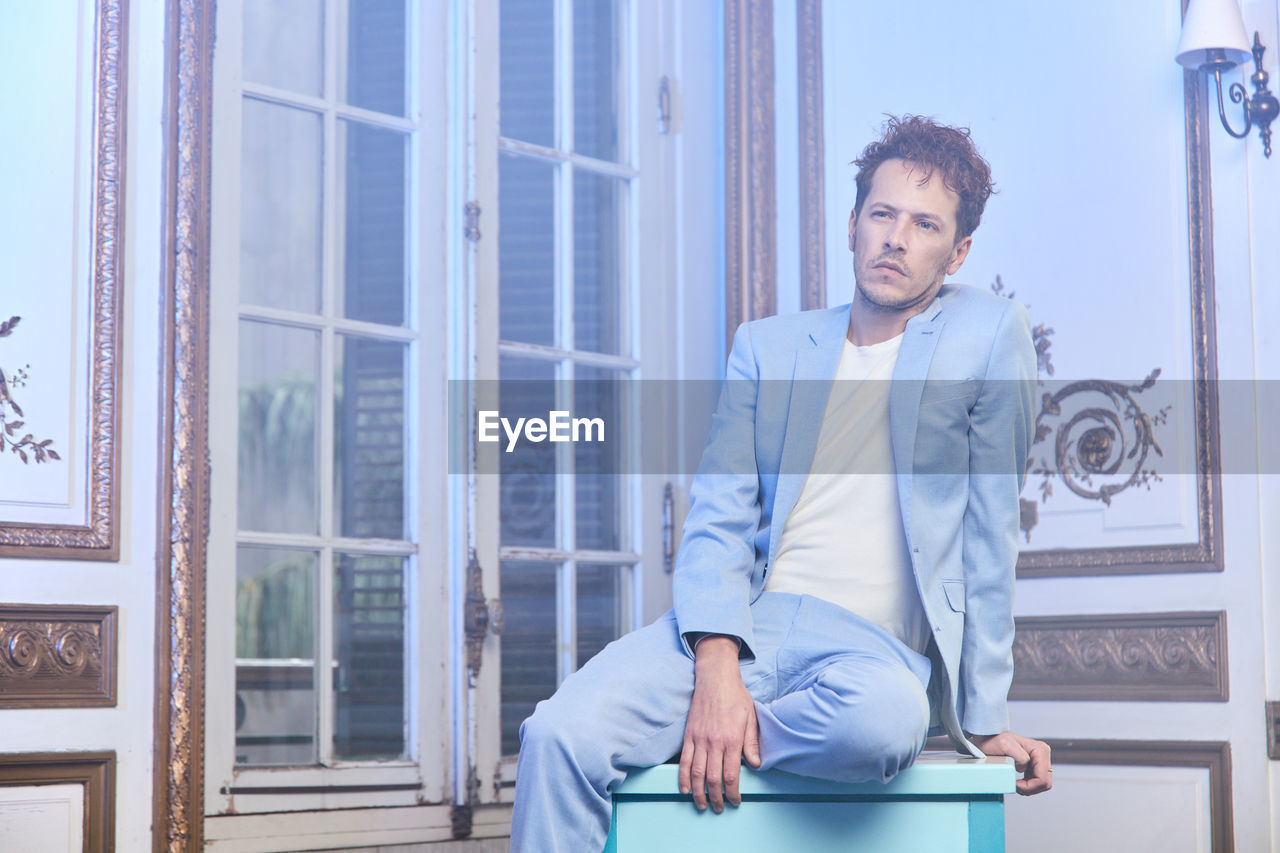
843	541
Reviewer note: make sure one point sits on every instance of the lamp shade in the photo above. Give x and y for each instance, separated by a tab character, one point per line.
1213	32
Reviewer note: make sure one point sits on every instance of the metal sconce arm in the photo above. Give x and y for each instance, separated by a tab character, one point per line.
1259	110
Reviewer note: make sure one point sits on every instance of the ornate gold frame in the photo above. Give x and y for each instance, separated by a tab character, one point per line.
98	538
1203	555
1116	657
96	771
1214	756
749	236
57	656
178	774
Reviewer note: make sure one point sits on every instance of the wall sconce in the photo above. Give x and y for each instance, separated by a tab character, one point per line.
1213	41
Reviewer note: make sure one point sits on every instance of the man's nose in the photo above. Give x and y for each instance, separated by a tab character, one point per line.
896	238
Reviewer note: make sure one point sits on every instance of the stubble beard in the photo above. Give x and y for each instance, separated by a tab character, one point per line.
869	299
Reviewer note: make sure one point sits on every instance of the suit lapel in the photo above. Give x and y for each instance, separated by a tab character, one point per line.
918	343
817	358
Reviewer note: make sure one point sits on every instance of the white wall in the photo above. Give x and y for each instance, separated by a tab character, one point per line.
130	584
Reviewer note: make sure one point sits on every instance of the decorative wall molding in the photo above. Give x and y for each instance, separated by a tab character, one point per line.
750	210
813	200
1203	555
96	771
1174	657
178	769
57	656
98	537
1215	756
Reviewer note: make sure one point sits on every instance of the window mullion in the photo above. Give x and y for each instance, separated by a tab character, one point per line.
567	497
331	210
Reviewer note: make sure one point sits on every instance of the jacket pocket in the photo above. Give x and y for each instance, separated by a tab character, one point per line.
954	591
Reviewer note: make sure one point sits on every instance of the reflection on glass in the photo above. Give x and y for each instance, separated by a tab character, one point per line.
369	440
280	199
373	184
375	72
597	284
527	488
595	82
283	44
369	645
275	656
526	250
598	488
603	602
528	89
529	672
279	368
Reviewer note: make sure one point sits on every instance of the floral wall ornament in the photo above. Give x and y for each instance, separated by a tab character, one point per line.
1101	439
28	446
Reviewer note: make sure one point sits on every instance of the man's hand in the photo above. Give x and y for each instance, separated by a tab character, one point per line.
721	728
1030	757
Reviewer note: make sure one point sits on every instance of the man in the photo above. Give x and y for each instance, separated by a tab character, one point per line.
827	615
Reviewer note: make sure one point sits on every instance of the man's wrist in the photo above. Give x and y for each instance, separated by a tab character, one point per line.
716	647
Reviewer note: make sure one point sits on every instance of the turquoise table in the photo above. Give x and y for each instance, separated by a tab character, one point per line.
941	804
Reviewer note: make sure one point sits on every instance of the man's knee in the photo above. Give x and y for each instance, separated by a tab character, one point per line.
889	720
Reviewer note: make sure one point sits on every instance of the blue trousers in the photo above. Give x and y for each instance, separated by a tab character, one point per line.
836	698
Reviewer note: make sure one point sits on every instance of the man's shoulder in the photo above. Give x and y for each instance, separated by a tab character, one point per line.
973	311
965	299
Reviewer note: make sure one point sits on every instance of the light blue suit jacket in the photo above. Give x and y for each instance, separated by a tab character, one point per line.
960	419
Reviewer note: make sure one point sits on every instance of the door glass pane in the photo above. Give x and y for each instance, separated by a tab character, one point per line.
369	438
374	77
527	490
369	642
275	656
595	82
280	198
603	602
284	44
529	643
372	183
528	89
598	464
279	371
526	250
597	280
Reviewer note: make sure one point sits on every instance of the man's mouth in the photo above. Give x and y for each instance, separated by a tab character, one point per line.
890	265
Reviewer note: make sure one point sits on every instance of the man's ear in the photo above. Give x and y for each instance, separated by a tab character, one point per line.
958	254
853	218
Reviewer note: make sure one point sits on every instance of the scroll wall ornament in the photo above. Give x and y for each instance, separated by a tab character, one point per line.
57	656
1102	438
1176	657
12	417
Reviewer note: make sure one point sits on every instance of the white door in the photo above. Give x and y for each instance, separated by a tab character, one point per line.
566	302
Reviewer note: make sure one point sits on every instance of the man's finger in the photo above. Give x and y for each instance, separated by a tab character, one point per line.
751	739
1019	755
698	777
686	762
1038	776
732	768
715	777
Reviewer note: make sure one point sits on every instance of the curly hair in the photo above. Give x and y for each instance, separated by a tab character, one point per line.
924	143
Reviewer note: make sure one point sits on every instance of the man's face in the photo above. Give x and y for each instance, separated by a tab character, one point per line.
904	238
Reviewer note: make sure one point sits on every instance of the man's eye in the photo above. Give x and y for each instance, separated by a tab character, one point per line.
927	225
880	214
